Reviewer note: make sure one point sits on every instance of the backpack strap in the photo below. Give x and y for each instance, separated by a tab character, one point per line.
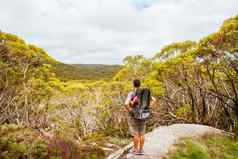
145	98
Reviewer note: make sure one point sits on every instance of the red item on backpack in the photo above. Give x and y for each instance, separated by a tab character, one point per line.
135	100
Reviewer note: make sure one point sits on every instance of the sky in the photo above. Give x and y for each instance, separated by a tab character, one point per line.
106	31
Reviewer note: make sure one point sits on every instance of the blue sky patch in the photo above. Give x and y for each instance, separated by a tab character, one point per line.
142	4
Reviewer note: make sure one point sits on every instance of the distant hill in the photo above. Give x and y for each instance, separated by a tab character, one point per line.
63	71
84	71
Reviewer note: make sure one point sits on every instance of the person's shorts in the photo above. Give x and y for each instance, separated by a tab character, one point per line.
136	127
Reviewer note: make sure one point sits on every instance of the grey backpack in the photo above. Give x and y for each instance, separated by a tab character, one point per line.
142	110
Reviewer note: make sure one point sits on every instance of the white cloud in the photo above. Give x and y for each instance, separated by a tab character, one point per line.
105	31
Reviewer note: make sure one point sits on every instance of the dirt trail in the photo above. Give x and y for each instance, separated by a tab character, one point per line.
159	141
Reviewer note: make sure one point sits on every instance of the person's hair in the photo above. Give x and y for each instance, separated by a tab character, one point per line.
136	83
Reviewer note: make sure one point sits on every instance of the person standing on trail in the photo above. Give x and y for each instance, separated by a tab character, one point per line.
137	105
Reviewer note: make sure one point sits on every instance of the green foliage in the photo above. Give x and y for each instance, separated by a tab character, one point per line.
24	80
192	150
183	111
119	141
40	150
206	148
154	84
19	142
91	72
173	50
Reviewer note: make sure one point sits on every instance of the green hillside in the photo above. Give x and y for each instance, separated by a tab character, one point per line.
85	71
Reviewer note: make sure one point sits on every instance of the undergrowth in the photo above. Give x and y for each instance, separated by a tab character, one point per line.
209	147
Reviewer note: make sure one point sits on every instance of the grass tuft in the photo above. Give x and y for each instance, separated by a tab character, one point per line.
213	147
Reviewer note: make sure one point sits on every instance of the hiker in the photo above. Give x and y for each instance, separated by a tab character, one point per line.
137	121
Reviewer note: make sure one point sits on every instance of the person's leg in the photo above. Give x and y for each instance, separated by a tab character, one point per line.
142	141
141	137
133	131
135	143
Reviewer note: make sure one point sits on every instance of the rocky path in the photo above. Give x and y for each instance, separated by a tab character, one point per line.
159	141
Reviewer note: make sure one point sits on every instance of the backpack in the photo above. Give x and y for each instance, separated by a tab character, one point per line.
141	109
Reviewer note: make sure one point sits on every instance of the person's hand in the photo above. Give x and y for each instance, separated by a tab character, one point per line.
128	109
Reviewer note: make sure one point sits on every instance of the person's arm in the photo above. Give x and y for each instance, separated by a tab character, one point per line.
127	108
127	104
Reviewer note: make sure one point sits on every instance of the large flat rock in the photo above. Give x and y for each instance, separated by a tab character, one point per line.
159	141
